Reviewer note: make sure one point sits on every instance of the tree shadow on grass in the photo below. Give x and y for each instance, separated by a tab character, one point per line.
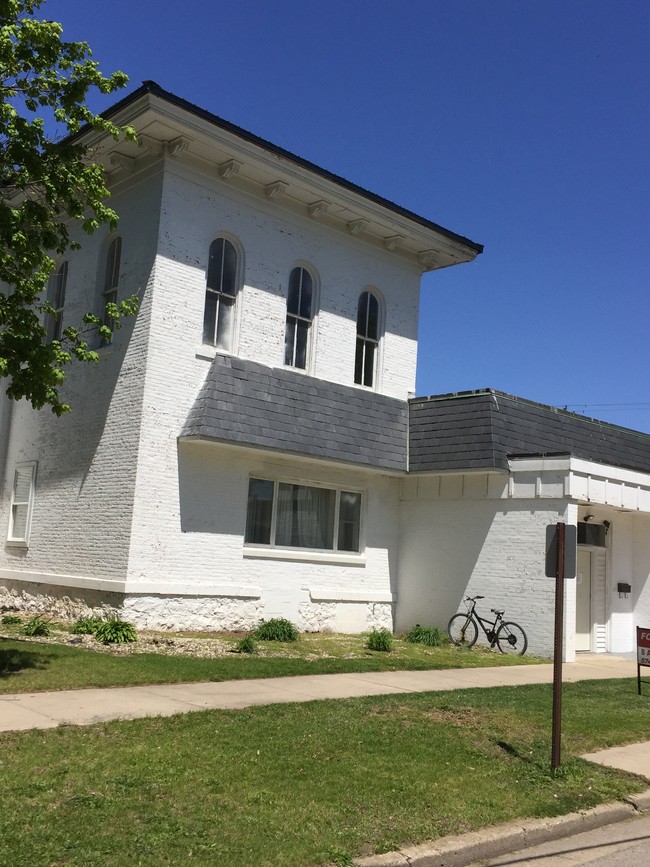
13	661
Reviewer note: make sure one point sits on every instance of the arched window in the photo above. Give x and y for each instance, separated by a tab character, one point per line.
365	360
300	314
220	294
56	299
111	281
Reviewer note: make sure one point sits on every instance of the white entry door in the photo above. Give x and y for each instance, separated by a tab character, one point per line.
583	600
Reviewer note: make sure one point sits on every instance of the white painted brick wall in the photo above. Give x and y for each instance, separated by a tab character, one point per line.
214	481
450	549
273	242
86	460
630	563
197	539
107	501
641	574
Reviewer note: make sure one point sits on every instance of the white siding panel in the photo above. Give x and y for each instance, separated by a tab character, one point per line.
599	599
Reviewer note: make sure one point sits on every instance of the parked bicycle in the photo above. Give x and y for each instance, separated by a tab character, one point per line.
463	629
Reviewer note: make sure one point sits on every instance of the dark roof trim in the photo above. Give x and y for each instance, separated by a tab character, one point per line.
503	395
155	89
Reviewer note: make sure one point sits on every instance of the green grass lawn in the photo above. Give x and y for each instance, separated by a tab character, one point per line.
31	667
306	784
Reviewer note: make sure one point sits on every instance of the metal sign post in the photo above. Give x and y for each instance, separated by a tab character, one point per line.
557	650
561	542
642	653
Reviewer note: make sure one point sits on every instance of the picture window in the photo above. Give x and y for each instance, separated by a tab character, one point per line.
288	515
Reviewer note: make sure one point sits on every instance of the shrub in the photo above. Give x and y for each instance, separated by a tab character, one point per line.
115	631
37	626
429	635
246	645
11	620
276	629
380	639
86	625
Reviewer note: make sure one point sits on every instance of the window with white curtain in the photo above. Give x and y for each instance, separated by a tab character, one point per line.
22	501
289	515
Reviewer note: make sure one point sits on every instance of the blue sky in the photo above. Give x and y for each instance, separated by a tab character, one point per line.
522	124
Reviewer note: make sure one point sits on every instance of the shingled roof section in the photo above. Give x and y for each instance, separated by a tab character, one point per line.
248	403
482	429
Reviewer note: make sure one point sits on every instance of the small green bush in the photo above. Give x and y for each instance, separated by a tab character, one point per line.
86	625
115	631
429	635
11	620
247	645
276	629
380	639
37	626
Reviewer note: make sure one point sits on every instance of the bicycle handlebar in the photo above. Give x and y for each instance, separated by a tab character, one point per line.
472	598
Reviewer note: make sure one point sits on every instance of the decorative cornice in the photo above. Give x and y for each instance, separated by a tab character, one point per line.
357	226
428	259
393	242
317	209
276	190
152	145
228	169
122	162
177	146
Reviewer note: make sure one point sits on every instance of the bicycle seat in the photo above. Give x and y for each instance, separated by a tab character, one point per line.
498	611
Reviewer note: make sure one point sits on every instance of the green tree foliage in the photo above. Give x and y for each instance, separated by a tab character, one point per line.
48	184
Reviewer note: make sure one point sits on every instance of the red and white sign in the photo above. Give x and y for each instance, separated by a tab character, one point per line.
643	646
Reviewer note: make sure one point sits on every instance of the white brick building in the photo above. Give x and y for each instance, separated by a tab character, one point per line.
247	447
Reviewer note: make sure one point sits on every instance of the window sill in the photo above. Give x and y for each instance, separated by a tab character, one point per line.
17	543
305	556
210	352
303	371
371	388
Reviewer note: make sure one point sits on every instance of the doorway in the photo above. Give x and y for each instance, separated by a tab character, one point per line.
583	600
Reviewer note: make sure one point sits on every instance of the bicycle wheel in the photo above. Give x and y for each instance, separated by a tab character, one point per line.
511	638
462	630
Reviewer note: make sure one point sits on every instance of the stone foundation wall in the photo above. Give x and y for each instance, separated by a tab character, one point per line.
186	613
65	603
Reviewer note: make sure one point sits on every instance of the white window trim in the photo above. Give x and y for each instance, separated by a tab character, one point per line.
304	555
22	541
322	555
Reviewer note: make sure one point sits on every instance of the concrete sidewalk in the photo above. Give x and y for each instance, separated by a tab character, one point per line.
46	710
